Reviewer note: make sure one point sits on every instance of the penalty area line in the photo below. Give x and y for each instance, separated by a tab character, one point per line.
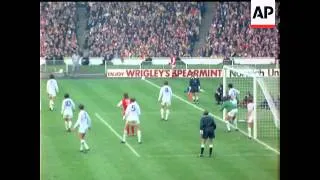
115	133
214	155
216	117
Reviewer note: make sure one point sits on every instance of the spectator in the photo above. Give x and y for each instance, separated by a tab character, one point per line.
145	29
57	29
141	29
230	34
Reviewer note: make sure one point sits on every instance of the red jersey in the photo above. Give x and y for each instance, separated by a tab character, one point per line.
125	103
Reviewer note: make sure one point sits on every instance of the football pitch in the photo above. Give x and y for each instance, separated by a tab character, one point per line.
170	148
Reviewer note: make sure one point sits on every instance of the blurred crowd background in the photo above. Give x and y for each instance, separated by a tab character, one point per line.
153	29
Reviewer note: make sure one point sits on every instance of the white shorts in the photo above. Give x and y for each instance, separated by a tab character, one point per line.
52	94
67	114
233	112
165	102
250	119
82	130
133	121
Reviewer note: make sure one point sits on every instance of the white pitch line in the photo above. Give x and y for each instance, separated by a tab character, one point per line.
214	155
216	117
115	133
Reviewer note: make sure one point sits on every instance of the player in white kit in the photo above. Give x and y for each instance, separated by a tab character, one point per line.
132	119
67	109
234	113
84	123
233	93
52	90
250	115
165	96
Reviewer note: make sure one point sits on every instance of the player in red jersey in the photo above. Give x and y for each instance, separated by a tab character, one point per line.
124	104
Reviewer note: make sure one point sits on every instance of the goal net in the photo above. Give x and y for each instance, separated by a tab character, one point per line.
264	86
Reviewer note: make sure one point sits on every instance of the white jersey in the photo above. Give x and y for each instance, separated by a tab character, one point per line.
84	121
133	112
52	87
67	107
250	108
165	94
233	93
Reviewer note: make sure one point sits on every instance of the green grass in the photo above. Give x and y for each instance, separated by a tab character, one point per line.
169	149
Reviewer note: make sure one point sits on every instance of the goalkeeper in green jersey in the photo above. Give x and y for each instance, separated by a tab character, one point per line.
232	110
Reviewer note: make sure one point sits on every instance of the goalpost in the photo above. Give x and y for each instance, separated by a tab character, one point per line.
264	86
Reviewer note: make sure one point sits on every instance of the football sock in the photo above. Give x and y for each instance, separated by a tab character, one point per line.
202	149
81	147
66	124
128	130
167	114
139	136
70	124
51	104
197	98
249	132
124	136
162	113
228	125
235	123
193	98
210	149
84	144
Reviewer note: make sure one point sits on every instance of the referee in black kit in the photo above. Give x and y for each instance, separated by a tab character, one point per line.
207	128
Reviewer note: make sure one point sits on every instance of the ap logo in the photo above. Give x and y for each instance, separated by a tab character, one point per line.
263	13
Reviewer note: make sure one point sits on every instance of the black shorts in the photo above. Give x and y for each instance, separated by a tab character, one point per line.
194	89
208	134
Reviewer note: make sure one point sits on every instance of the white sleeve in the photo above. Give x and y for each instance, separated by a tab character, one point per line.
56	86
127	110
89	120
48	87
250	108
78	121
160	94
119	104
73	105
62	106
138	110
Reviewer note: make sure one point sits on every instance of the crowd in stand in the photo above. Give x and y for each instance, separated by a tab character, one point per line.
57	29
141	29
230	34
155	29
